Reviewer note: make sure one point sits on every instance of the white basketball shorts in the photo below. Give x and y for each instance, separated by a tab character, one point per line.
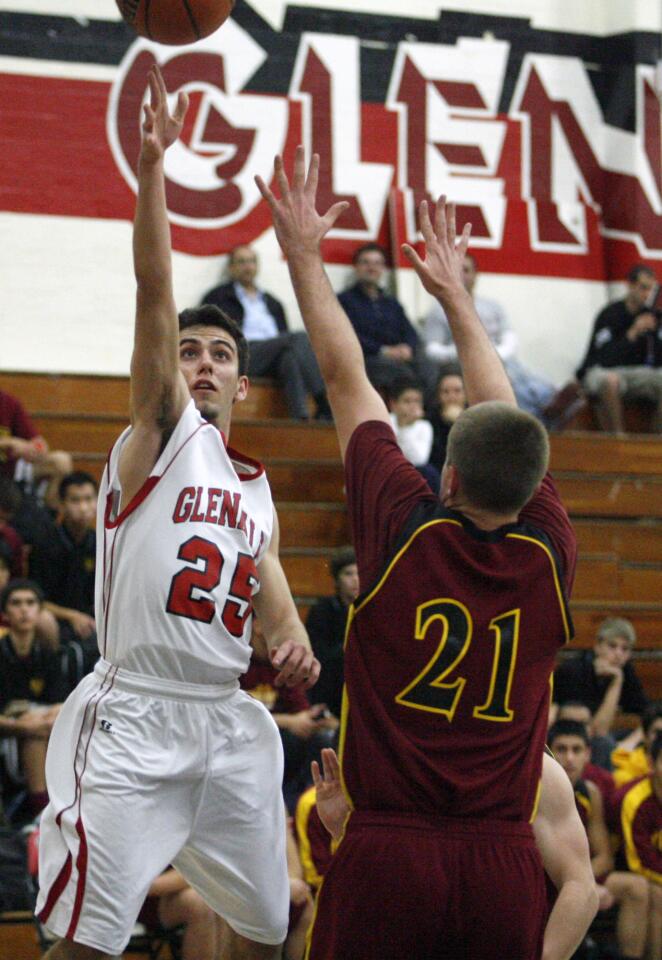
143	773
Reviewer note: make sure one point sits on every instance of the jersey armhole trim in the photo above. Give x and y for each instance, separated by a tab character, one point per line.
146	488
238	459
534	537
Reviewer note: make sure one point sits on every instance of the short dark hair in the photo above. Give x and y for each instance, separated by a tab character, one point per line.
20	583
401	384
656	746
567	728
369	248
651	712
77	478
500	453
340	558
636	271
10	496
209	315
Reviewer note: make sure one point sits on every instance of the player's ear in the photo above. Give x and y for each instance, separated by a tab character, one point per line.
449	482
242	389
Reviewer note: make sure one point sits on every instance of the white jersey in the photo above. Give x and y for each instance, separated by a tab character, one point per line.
177	568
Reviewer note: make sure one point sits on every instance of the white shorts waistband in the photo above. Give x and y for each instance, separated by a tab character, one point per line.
122	679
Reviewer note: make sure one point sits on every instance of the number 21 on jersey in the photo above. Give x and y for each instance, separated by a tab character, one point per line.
433	690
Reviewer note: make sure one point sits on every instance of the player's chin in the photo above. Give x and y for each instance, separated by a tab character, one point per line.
207	409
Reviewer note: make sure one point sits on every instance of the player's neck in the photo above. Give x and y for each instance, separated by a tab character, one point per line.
482	519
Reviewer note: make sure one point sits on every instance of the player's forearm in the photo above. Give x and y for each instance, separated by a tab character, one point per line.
482	369
575	907
331	334
151	231
289	628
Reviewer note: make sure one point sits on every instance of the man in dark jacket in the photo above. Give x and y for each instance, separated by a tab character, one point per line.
389	342
624	357
274	350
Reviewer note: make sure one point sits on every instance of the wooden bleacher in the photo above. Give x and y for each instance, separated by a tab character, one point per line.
611	486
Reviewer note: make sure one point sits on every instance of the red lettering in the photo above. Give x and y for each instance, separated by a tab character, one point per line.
229	509
242	523
252	533
197	516
211	515
184	505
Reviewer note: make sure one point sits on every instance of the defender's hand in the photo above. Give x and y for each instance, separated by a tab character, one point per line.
441	270
332	806
160	129
298	225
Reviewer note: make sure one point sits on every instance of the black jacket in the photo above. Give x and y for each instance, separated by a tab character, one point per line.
224	296
610	347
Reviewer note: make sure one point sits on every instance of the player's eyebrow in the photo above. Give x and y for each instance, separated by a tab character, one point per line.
216	340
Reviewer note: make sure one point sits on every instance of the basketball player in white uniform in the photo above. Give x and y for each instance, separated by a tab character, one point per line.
158	757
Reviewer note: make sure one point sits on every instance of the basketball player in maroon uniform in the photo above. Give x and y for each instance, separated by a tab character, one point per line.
451	643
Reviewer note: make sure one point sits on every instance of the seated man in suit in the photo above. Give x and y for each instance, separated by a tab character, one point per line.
274	351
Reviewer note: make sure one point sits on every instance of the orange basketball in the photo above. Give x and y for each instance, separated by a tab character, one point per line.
175	21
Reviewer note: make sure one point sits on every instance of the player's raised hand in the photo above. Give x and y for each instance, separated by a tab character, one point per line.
160	127
299	227
441	270
296	665
332	806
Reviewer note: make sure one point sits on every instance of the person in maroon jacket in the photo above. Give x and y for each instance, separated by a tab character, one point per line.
451	642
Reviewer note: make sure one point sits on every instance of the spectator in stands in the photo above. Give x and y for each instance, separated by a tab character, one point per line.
413	431
304	729
569	743
604	679
389	342
533	393
630	758
171	902
10	501
624	356
641	826
326	623
449	402
63	560
24	453
603	779
274	351
30	689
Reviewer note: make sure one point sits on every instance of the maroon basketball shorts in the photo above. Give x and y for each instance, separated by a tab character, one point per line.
447	889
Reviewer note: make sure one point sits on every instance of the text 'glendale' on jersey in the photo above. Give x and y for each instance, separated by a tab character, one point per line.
177	568
450	648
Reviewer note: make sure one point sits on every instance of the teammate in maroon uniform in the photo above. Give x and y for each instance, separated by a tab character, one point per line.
452	642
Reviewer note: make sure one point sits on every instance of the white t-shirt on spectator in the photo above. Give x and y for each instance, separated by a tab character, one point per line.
258	322
415	440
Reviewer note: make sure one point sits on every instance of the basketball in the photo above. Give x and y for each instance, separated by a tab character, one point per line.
175	21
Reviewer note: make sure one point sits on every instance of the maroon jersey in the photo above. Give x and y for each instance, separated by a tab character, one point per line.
641	825
451	646
583	802
14	422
